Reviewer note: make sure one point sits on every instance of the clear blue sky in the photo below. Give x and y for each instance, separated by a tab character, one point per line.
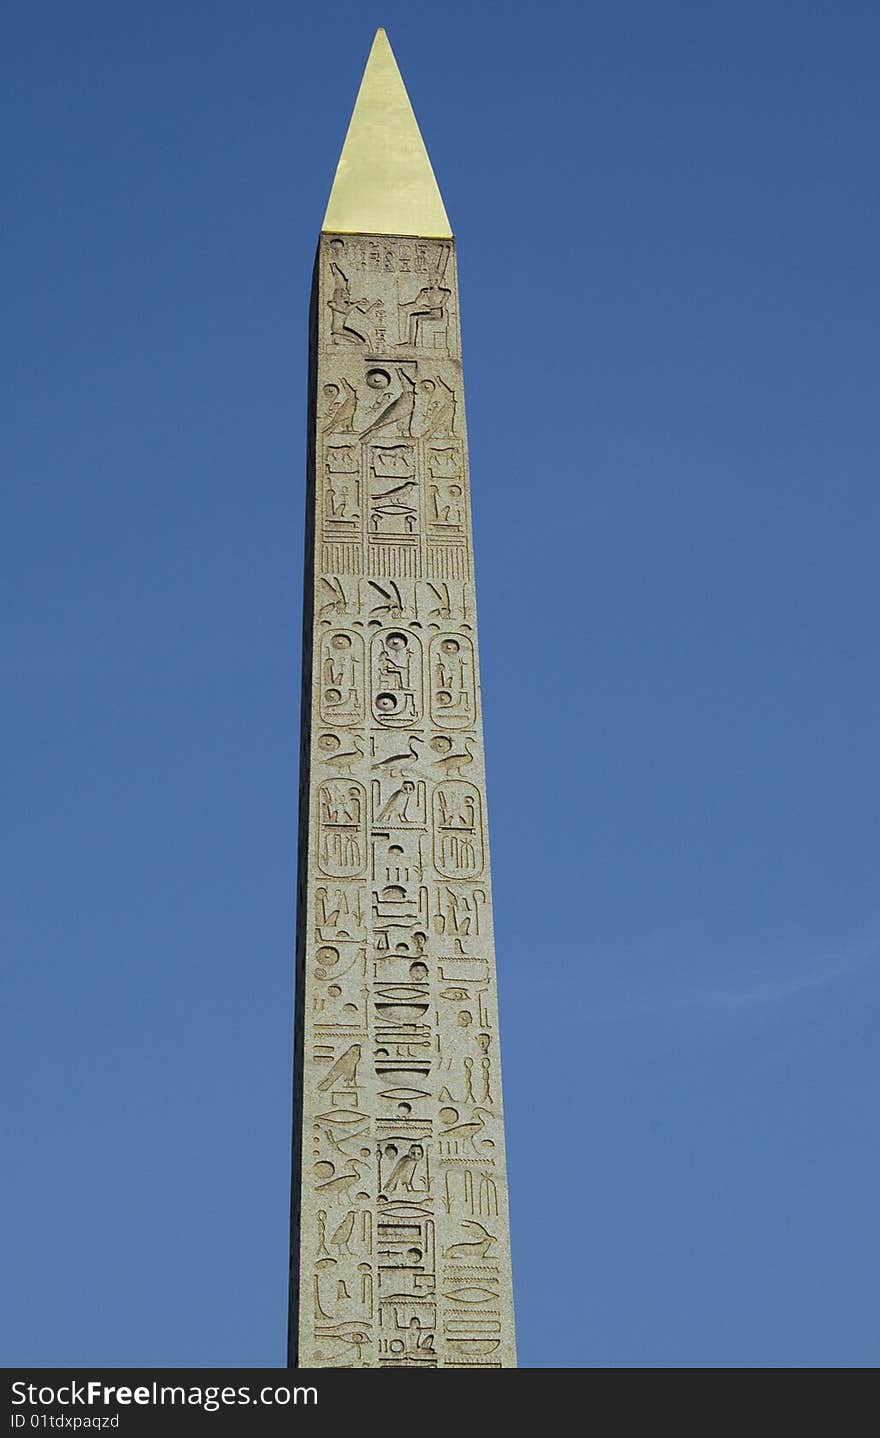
667	217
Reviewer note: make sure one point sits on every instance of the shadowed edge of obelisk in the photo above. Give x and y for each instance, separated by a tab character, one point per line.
303	833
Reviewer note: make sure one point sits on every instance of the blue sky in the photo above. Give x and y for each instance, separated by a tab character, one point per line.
668	229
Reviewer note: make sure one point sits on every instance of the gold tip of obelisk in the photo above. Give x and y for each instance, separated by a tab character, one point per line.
384	183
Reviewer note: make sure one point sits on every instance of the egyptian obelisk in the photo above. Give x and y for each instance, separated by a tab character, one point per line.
400	1251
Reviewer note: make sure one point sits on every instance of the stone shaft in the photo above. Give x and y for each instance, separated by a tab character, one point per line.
400	1248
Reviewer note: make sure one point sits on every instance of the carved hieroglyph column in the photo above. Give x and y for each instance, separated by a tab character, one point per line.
400	1239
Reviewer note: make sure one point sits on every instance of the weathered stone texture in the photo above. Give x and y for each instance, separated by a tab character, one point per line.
401	1244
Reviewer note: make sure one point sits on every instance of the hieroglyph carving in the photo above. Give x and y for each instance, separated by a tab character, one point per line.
400	1204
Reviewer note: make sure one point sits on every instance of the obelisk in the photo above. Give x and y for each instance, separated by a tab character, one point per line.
400	1251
